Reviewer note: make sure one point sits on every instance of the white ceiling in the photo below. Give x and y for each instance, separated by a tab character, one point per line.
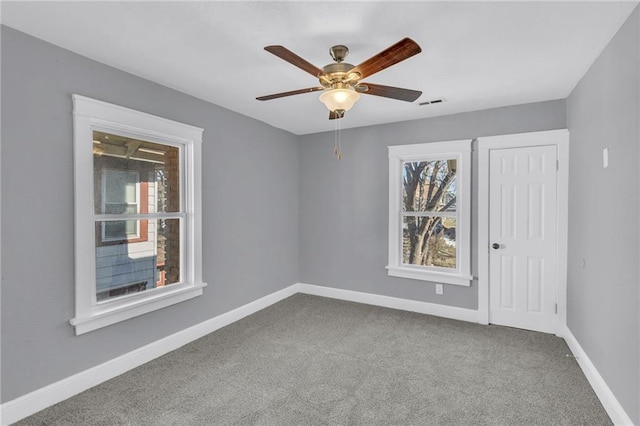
475	55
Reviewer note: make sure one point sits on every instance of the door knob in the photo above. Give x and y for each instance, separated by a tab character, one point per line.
495	246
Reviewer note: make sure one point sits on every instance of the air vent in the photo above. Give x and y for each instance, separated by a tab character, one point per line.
433	101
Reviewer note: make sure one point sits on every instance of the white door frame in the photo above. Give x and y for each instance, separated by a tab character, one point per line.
559	138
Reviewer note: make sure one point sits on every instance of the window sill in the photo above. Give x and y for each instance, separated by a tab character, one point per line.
438	277
107	315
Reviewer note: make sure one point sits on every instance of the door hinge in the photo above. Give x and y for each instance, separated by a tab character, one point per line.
557	164
556	308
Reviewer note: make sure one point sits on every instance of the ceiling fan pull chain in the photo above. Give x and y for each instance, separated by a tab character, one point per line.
335	140
339	141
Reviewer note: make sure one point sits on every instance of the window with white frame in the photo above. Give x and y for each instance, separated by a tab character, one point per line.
138	213
429	212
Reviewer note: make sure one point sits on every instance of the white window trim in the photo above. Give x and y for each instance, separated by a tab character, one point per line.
90	114
460	150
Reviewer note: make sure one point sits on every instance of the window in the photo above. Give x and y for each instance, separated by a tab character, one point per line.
429	212
138	213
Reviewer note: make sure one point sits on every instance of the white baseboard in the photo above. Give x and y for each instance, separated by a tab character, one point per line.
31	403
42	398
435	309
606	397
47	396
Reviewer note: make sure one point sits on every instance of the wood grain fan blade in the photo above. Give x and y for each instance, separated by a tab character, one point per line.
400	51
284	53
291	93
391	92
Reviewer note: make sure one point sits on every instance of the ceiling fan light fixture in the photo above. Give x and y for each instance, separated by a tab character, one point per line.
339	99
340	81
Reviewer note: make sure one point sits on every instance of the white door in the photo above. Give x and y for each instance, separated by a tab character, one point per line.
522	236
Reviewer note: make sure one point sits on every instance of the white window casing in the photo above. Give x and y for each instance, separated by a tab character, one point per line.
398	155
90	115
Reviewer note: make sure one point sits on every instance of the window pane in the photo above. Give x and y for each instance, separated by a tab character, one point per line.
429	185
134	176
133	265
429	241
169	241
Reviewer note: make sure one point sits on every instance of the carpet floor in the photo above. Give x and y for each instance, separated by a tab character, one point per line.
309	360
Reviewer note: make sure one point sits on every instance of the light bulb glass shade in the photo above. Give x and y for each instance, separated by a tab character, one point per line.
339	99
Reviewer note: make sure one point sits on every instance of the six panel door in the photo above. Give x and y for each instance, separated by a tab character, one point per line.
522	235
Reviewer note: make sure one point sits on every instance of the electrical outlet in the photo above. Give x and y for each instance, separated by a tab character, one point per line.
439	288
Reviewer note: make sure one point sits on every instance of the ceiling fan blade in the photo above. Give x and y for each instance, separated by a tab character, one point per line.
400	51
390	92
293	92
284	53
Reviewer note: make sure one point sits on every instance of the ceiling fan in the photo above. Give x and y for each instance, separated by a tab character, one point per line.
341	82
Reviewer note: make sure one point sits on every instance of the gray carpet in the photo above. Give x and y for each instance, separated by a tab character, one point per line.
315	361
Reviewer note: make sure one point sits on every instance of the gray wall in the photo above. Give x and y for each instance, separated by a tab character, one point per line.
344	204
603	312
326	216
250	212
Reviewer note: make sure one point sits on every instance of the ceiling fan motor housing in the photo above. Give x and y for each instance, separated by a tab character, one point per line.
338	74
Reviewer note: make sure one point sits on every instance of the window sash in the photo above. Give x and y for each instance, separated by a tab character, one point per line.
398	157
184	273
180	215
90	115
428	159
427	267
426	213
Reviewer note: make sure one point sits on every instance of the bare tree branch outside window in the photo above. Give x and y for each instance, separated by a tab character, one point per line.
429	213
